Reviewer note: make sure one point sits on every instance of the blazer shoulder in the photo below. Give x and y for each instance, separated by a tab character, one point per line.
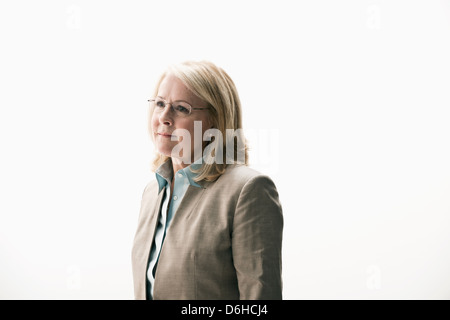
240	175
150	188
149	198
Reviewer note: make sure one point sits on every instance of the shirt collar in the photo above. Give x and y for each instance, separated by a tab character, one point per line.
164	174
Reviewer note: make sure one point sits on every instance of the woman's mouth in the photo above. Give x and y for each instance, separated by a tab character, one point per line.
165	135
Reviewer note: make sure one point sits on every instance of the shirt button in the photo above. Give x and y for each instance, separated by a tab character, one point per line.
180	175
175	197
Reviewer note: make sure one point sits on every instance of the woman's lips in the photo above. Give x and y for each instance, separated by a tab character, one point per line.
165	135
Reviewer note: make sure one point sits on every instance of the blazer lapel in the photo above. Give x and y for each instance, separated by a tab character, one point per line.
143	240
154	217
187	206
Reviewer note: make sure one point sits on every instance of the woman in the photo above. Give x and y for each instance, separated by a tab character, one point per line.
209	226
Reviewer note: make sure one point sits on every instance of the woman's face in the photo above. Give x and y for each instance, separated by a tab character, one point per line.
165	122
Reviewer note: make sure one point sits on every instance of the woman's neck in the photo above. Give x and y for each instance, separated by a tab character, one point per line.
178	164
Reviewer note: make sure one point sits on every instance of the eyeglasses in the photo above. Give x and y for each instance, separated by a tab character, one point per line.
181	108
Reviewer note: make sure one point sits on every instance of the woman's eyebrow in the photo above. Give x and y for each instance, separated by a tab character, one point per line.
174	100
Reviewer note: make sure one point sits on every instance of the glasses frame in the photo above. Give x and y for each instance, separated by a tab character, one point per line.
173	109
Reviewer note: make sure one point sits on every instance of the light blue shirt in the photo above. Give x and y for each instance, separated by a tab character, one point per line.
183	179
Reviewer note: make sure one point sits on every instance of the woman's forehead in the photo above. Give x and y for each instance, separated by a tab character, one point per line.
172	88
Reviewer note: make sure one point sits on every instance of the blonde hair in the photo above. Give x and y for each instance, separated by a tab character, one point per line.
213	85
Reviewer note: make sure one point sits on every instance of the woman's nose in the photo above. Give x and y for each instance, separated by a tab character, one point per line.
166	117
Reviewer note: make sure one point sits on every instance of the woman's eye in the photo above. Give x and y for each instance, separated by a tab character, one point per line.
180	108
160	104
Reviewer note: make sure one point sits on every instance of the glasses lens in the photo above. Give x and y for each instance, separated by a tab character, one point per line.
182	109
158	104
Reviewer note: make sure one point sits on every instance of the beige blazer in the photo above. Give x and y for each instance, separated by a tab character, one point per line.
224	241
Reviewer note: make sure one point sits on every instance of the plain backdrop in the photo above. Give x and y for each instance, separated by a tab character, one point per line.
347	108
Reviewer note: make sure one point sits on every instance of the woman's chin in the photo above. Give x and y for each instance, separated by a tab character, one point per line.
164	150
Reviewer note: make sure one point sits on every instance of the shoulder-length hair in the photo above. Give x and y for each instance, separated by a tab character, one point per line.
213	85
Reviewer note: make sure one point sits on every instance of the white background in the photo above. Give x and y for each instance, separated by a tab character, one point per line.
349	101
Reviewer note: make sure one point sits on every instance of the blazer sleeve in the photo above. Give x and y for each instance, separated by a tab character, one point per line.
256	240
